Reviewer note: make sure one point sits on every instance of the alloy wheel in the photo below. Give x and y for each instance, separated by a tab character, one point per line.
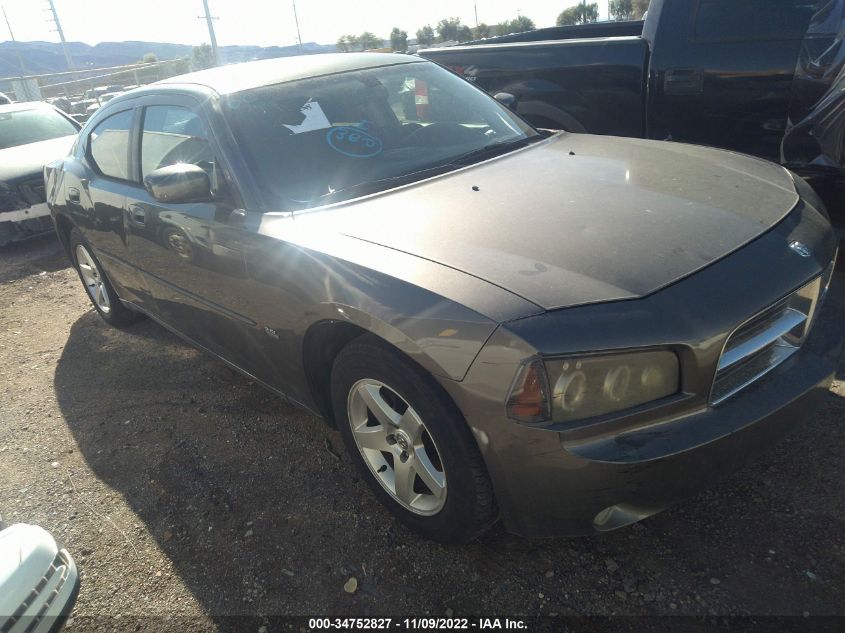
397	446
93	279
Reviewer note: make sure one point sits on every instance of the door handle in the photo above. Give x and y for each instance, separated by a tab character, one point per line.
683	81
73	194
137	215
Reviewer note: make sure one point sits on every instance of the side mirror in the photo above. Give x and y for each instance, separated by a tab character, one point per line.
181	182
506	99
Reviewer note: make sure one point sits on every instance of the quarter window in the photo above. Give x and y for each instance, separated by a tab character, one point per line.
753	19
174	135
109	145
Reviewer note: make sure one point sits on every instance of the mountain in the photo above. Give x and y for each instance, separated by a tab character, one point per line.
41	58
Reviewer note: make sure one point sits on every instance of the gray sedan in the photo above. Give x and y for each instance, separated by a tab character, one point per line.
568	332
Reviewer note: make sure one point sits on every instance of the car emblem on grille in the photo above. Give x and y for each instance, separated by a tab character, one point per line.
802	249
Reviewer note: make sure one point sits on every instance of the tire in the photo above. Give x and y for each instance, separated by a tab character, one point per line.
97	285
447	495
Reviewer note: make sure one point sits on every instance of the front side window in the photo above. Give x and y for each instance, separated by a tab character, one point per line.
109	145
21	127
326	139
171	135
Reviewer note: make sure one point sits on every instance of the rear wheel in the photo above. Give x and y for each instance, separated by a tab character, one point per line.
99	289
411	443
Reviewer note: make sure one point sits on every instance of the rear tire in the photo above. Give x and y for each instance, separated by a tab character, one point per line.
411	443
97	285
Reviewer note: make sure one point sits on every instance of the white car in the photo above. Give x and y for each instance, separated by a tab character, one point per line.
38	581
31	134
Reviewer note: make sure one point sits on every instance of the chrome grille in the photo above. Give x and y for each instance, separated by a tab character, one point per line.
767	339
35	606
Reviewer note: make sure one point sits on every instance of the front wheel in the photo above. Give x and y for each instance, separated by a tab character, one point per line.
411	443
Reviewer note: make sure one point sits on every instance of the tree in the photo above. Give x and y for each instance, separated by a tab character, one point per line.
640	7
369	40
581	13
622	9
425	36
362	42
399	40
202	57
519	25
482	30
347	43
452	29
150	58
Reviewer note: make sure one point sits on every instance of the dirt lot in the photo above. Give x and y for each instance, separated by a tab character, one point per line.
184	490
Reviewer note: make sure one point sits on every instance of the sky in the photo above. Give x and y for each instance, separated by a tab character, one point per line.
259	22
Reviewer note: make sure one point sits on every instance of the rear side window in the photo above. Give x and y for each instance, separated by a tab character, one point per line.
753	19
173	134
109	145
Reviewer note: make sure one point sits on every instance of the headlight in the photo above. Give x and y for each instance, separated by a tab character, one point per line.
582	387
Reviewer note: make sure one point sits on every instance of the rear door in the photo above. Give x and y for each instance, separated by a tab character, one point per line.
97	184
722	72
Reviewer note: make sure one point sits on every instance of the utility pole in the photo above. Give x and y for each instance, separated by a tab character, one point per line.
17	50
475	6
61	36
298	36
211	35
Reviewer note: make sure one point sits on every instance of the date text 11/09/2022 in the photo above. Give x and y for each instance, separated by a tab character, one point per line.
408	624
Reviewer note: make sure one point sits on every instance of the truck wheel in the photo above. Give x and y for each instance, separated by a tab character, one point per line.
97	285
411	443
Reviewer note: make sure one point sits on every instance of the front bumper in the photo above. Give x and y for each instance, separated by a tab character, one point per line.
24	222
555	488
29	213
566	480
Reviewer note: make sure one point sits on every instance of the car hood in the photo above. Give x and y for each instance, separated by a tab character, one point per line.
577	219
25	160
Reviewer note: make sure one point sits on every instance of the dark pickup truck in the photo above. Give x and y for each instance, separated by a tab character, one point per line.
764	77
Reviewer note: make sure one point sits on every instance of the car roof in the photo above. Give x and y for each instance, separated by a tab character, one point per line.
24	105
265	72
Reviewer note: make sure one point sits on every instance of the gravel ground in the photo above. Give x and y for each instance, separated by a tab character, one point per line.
182	489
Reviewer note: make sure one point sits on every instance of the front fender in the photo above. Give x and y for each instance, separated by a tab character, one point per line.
438	316
444	340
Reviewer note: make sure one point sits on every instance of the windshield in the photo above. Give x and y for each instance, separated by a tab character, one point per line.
332	138
33	125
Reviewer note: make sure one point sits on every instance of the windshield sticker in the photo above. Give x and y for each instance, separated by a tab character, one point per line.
354	142
315	119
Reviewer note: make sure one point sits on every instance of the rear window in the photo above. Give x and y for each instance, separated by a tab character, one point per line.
753	19
31	126
109	145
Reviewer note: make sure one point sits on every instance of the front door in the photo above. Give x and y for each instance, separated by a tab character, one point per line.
191	253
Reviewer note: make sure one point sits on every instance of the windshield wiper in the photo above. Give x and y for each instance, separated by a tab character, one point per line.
493	149
372	186
377	184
